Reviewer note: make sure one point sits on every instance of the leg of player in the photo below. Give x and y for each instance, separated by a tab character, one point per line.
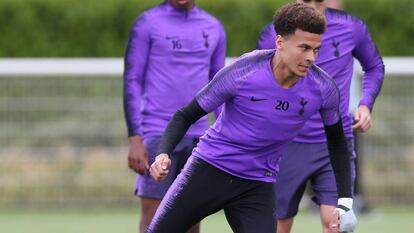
284	225
326	215
291	184
188	200
150	191
148	208
201	190
252	210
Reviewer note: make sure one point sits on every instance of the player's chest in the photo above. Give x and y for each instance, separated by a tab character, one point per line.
277	109
276	117
177	40
336	44
265	100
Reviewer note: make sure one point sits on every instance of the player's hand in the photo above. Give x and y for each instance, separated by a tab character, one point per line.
334	223
159	168
362	118
137	156
343	219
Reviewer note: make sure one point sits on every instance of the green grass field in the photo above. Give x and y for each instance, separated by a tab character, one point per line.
397	220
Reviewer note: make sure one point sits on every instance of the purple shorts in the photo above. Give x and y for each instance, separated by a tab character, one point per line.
303	162
146	186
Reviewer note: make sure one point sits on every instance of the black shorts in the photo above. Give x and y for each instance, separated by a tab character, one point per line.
201	190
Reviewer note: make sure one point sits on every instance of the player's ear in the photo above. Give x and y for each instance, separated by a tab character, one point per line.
279	41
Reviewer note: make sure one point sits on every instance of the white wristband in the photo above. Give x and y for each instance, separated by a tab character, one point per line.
345	201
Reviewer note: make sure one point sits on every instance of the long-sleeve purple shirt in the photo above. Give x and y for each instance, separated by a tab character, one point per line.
171	54
345	37
259	117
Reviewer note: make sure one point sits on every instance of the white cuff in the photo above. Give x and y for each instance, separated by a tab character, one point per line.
346	201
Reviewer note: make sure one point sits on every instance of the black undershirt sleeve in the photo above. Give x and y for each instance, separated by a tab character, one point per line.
339	156
178	126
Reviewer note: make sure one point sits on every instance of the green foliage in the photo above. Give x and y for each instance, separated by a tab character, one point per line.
100	28
65	27
389	22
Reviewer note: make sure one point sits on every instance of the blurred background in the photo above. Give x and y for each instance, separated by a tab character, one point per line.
63	143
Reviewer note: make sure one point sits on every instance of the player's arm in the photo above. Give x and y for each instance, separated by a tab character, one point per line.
344	220
135	61
339	157
218	91
218	59
267	38
373	67
175	131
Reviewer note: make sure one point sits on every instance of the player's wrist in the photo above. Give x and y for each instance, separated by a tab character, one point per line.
344	204
365	105
162	155
136	139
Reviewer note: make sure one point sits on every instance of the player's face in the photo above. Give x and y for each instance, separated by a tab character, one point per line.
299	51
182	4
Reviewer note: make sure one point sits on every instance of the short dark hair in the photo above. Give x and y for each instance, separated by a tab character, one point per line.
298	16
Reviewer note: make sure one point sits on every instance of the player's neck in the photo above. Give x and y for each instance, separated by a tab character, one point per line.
282	73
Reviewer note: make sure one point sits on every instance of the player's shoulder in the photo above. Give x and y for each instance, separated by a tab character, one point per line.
150	14
343	17
319	76
268	28
323	83
254	59
209	17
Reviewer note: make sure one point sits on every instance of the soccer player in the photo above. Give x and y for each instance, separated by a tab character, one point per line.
174	49
307	157
268	96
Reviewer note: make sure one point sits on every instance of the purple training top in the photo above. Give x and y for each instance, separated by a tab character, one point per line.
345	37
260	117
171	54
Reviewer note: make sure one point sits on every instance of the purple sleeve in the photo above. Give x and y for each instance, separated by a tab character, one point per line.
135	62
330	102
267	38
371	62
218	60
218	91
219	55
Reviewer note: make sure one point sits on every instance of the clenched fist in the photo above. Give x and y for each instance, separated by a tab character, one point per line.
159	168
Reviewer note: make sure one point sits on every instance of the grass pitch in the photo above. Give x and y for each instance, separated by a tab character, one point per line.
125	220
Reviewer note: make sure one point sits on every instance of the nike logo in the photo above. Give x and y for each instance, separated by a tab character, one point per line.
254	99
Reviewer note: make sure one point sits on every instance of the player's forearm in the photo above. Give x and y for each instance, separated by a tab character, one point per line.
218	59
372	65
136	140
132	112
338	152
179	125
371	85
